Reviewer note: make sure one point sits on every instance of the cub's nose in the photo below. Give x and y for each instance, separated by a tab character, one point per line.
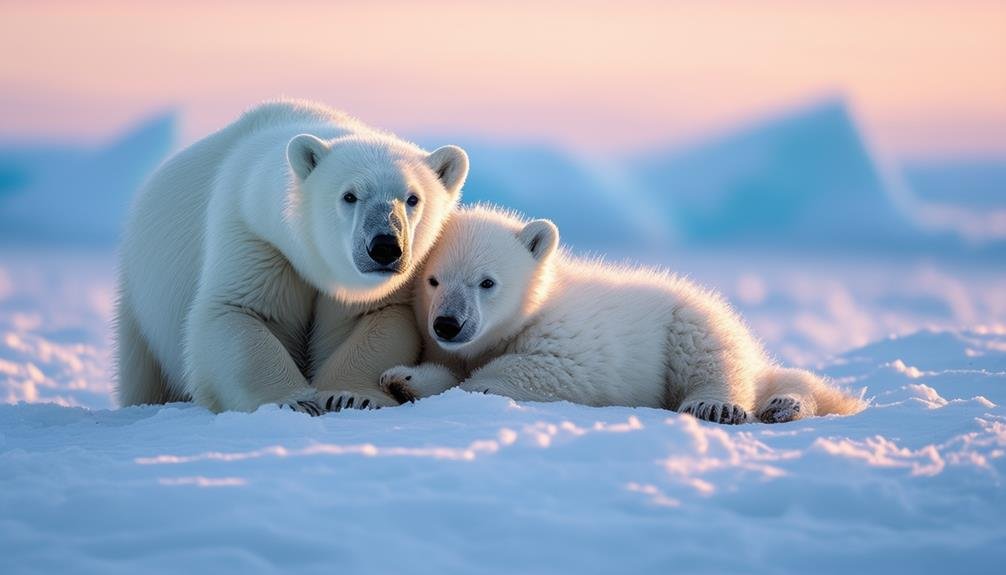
384	249
446	328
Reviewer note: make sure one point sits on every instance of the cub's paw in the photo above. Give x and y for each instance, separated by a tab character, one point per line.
780	409
397	382
483	386
715	411
309	407
340	400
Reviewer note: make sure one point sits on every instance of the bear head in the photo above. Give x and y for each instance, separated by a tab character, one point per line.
489	272
369	208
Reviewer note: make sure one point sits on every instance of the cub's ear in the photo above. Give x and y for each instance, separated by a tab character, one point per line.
540	237
304	152
450	164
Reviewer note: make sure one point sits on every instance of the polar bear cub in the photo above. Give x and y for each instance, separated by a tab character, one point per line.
503	310
270	263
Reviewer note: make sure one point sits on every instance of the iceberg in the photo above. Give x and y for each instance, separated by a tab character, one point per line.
60	194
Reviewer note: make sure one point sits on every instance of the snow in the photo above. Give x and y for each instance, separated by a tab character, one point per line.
480	484
914	318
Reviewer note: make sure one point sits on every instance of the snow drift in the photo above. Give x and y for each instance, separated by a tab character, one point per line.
471	483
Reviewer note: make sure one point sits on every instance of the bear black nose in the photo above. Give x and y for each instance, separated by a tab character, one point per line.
384	249
446	328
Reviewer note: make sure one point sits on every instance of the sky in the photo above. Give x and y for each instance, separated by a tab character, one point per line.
925	79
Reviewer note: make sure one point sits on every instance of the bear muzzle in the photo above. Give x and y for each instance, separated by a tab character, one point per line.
384	249
446	327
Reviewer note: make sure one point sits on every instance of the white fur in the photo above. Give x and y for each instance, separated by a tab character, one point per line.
554	327
244	271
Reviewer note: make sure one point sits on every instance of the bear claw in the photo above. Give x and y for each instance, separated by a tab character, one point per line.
340	401
780	410
401	391
309	407
716	412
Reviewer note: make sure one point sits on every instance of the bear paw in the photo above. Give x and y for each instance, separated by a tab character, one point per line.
397	382
715	411
780	409
340	400
485	387
409	383
309	407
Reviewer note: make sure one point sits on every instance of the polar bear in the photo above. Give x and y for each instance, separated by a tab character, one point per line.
503	310
270	263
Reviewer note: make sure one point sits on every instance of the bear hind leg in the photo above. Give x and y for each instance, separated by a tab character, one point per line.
786	394
139	379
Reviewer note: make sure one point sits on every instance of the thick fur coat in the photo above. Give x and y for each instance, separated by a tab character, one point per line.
270	262
503	310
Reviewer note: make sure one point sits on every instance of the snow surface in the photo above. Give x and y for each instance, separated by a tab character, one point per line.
480	484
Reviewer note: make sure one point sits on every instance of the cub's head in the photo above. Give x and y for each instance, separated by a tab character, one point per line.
370	208
487	274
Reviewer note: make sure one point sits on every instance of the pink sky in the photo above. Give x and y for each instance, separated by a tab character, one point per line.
926	78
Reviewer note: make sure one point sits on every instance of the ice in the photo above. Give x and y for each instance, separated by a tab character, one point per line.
805	179
804	176
62	195
582	196
970	182
966	197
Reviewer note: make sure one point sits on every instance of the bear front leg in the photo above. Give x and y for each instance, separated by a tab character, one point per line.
236	363
525	377
409	383
379	341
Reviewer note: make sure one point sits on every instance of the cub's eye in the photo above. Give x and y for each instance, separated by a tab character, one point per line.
433	281
487	284
413	200
349	198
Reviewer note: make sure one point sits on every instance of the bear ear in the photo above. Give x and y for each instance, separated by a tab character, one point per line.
304	152
540	237
450	164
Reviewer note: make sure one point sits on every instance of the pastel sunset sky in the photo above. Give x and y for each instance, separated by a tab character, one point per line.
925	78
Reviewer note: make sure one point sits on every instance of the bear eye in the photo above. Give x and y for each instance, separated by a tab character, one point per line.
487	284
433	281
413	200
349	198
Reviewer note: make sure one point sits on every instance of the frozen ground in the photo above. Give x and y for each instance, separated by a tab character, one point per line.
477	484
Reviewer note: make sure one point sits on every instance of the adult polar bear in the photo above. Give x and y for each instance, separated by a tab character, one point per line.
268	263
504	311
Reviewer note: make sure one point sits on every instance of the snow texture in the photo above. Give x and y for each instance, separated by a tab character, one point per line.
480	484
